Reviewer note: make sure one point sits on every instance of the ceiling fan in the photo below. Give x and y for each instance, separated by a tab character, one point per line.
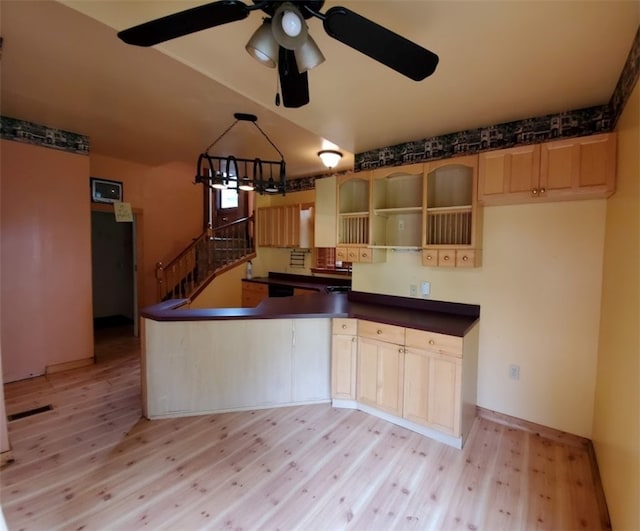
283	39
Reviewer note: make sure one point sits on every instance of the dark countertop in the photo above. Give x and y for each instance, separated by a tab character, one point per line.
449	318
300	281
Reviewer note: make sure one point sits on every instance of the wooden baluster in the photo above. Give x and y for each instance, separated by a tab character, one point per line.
160	281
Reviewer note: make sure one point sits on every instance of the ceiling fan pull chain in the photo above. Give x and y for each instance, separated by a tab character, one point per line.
277	91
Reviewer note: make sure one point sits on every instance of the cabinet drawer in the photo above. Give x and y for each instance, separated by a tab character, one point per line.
469	258
353	254
344	326
447	258
430	258
365	256
341	254
433	341
383	332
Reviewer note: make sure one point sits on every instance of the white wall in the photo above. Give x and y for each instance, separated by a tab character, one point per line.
539	291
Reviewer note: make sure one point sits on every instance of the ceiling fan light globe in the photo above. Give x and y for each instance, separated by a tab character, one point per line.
262	46
290	34
308	56
291	23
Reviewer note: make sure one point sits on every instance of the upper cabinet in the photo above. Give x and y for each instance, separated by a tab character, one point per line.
396	208
353	231
285	226
451	216
325	220
574	168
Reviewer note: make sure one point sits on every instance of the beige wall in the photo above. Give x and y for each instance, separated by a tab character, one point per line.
224	291
616	427
171	210
46	259
539	292
4	434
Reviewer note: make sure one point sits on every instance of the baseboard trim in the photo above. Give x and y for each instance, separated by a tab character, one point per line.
68	365
539	429
558	436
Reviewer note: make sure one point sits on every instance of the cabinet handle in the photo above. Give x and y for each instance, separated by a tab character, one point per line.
364	255
542	190
379	332
465	258
432	342
534	191
344	326
446	258
429	257
401	350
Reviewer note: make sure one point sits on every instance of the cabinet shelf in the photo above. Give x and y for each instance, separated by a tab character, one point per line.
354	214
397	210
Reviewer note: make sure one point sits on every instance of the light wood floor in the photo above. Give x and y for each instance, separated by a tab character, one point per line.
93	463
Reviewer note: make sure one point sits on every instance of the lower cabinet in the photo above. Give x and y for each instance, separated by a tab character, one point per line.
415	377
344	343
380	375
253	293
432	384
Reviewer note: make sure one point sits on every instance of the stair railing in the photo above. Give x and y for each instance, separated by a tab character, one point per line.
214	251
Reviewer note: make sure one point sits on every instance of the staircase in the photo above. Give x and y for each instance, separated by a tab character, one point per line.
211	253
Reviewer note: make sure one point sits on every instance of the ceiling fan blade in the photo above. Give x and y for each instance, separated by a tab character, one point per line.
293	84
379	43
185	22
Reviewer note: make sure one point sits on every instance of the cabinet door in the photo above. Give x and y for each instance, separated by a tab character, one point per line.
416	386
325	213
578	168
444	393
343	366
432	387
508	175
380	375
367	372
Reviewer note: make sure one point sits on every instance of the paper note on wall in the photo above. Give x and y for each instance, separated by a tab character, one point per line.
123	211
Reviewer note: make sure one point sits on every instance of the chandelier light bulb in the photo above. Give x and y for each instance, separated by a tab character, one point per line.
291	24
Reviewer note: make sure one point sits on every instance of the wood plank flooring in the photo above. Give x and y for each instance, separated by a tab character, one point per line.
92	462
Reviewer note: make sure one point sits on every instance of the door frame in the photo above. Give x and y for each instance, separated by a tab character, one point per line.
138	262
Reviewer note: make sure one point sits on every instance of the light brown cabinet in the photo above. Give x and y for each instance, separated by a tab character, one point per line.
452	217
562	170
396	209
380	368
420	378
433	380
284	226
253	293
353	220
344	351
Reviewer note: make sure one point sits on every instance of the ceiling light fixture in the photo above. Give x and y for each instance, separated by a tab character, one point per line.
262	46
288	26
330	157
222	172
308	55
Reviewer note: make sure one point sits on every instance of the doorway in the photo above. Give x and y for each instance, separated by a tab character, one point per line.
113	250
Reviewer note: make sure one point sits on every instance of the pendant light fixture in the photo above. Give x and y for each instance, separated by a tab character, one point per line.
222	172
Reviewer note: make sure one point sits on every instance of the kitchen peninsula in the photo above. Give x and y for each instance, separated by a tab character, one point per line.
201	361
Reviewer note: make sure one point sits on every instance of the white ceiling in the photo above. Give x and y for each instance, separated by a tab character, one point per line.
63	66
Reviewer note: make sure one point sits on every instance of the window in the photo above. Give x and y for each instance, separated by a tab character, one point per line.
229	198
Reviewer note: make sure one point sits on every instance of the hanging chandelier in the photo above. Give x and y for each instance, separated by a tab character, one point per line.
236	173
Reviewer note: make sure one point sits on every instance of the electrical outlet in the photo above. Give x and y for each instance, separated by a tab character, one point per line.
514	372
401	224
413	290
426	289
